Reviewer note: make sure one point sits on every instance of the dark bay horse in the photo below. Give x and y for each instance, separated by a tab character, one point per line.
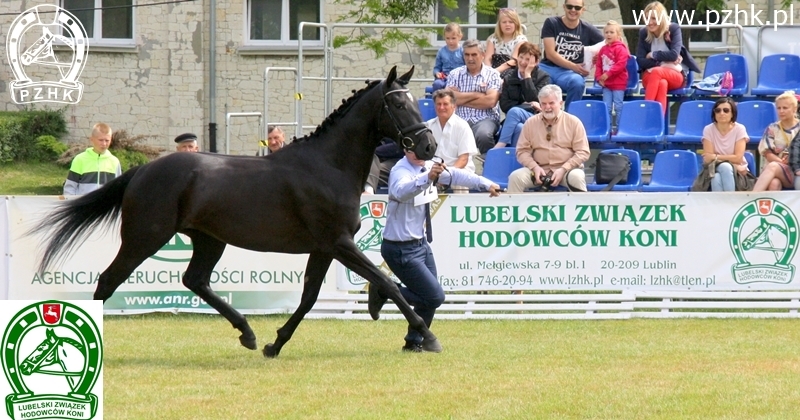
311	189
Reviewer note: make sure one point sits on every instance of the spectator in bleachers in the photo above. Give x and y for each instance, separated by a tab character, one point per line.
612	70
477	90
449	57
663	60
724	141
564	38
552	143
520	93
276	139
502	47
452	133
776	171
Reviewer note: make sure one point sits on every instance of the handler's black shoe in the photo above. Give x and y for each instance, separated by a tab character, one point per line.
375	302
412	347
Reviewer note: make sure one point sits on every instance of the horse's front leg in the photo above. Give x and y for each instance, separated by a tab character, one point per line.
207	251
316	268
352	258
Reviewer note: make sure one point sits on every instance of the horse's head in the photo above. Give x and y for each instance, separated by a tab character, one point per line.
405	123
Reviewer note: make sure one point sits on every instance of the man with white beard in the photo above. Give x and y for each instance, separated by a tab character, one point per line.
552	144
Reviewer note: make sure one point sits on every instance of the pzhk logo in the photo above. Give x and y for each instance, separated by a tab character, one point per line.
373	216
29	45
763	238
52	354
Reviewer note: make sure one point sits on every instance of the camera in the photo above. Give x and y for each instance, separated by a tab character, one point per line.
547	181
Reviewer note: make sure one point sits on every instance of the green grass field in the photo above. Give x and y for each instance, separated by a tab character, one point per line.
21	178
192	367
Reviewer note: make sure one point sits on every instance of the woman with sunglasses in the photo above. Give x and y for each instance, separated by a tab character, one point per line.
724	141
776	173
662	58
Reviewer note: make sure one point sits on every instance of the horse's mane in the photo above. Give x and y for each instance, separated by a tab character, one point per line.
338	113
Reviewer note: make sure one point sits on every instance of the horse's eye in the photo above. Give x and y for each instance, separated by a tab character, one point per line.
400	106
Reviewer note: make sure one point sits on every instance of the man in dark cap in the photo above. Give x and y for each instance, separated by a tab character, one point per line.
186	142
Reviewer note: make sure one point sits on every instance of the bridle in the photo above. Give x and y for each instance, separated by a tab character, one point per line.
417	130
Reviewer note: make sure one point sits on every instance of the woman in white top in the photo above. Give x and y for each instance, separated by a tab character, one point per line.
724	141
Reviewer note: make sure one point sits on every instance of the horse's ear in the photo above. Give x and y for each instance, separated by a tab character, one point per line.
392	76
404	79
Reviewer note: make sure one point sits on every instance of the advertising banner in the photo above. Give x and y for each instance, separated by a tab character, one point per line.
603	242
543	241
251	281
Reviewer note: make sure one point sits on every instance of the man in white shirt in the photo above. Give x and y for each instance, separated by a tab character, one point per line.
452	133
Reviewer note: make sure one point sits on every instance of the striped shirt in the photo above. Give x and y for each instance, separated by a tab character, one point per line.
488	79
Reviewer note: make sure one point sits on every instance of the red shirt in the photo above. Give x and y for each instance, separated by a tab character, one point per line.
613	60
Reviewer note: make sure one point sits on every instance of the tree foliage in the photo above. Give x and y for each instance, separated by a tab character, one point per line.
405	12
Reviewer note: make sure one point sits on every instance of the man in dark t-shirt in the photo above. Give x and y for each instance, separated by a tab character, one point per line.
564	38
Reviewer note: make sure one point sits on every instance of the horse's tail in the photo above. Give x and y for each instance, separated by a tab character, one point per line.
72	222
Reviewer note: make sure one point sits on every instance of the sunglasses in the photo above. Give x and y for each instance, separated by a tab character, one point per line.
725	110
573	7
549	132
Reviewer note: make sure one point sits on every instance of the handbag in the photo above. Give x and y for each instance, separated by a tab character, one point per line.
611	168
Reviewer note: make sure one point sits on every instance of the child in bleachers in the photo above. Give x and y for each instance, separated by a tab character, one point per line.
503	44
449	57
612	72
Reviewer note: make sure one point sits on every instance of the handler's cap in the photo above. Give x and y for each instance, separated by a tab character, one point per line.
185	137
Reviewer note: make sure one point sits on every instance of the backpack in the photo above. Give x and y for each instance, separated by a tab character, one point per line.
726	84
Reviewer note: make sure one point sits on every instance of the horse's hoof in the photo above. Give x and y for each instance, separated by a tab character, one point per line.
249	341
432	346
270	351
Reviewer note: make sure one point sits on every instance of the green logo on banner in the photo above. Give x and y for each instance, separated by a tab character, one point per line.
763	238
52	353
373	214
178	249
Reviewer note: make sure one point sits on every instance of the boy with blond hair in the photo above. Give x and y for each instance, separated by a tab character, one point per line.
95	166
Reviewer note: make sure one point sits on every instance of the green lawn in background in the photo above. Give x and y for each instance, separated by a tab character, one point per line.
21	178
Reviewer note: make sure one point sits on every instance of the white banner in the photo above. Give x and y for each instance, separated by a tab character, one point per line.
252	281
542	241
604	241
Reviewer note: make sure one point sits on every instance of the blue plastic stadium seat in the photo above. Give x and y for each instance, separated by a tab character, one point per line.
633	80
634	180
777	74
693	116
641	122
734	63
756	116
595	119
751	161
426	108
673	170
499	164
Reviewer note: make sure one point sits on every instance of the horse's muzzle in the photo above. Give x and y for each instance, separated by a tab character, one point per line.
426	146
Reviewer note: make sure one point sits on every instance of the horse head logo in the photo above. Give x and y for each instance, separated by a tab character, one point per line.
763	238
51	21
52	357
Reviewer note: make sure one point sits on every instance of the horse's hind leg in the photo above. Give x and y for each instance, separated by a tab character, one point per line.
207	251
352	258
316	268
132	252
